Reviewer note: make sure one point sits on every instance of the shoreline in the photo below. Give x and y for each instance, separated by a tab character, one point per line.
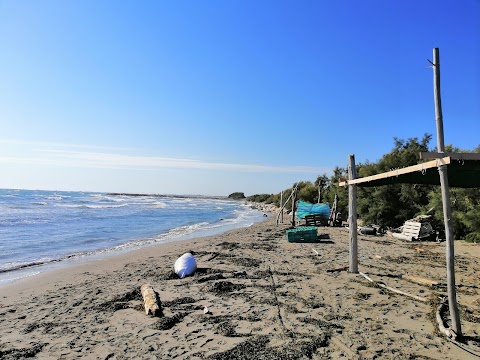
266	297
33	269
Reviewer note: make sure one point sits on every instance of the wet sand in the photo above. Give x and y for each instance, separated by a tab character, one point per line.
267	299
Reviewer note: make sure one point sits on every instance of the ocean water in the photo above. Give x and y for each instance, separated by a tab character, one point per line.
44	229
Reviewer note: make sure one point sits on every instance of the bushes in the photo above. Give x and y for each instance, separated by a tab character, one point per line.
266	198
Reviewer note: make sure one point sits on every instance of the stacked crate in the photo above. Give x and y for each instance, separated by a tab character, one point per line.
302	234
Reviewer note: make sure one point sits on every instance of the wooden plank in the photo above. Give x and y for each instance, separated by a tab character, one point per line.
315	220
420	280
397	172
454	156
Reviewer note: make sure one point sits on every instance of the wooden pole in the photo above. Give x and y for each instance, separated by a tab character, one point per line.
281	207
352	216
294	200
447	211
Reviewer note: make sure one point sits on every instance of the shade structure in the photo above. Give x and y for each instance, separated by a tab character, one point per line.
462	173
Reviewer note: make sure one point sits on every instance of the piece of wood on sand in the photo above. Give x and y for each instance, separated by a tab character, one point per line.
150	300
420	280
419	298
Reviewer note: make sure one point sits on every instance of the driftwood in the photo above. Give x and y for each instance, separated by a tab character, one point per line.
420	298
150	300
420	280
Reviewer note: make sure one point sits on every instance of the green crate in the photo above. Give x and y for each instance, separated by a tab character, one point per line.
302	234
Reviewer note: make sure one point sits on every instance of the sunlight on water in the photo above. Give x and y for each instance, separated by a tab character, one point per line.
42	227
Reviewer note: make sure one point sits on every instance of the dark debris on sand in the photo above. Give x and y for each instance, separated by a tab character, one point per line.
169	275
168	322
227	329
47	327
121	301
182	304
321	323
179	301
229	245
23	353
211	278
246	262
256	348
206	271
224	287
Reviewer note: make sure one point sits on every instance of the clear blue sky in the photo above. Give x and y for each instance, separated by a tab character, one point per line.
212	97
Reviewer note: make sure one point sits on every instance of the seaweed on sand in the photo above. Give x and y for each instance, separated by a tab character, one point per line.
224	287
10	354
121	301
168	322
256	348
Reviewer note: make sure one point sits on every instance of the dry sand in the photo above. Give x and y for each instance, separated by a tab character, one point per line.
268	299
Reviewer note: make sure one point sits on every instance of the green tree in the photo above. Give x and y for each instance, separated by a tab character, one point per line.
307	191
391	205
465	204
321	184
237	195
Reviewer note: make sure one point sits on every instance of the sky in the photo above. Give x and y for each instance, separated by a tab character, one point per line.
213	97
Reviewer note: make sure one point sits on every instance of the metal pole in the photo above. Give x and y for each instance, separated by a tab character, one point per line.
447	211
352	216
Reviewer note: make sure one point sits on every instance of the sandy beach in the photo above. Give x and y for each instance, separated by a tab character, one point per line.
267	299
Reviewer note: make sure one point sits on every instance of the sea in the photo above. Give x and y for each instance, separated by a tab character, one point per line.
41	230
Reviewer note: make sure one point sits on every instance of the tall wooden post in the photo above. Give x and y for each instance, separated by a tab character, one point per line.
352	216
294	207
447	211
281	207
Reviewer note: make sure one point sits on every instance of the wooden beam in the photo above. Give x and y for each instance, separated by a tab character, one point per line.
407	170
453	156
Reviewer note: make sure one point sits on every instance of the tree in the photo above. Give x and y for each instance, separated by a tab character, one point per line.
237	196
321	184
391	205
465	208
